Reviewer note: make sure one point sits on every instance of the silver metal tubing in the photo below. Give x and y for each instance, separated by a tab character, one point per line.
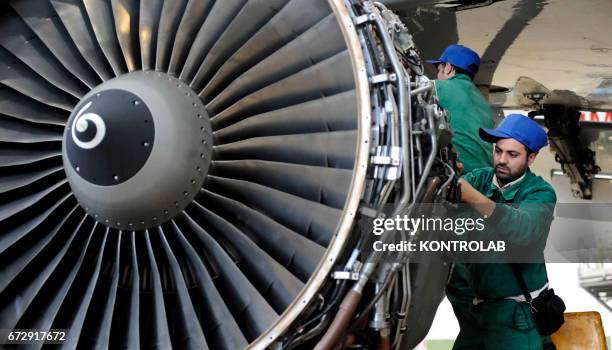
421	89
432	155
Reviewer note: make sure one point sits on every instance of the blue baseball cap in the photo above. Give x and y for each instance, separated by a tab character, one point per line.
519	127
460	56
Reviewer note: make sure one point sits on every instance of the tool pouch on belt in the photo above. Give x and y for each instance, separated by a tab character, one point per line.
547	308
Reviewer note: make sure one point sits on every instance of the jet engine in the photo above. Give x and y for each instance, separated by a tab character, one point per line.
201	174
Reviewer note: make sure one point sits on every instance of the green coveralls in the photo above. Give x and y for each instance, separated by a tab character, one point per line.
507	324
467	111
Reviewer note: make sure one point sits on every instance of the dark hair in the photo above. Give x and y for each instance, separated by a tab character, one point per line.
459	70
529	151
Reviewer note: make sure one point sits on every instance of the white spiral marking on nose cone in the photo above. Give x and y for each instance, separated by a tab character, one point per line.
80	124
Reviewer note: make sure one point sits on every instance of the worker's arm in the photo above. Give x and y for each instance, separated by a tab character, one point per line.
519	225
471	196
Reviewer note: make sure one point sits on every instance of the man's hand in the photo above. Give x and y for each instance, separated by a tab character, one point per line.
453	191
459	168
471	196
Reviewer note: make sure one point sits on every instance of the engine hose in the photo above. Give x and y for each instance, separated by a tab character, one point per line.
341	321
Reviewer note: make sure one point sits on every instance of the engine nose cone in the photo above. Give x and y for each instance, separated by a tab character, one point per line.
110	137
137	149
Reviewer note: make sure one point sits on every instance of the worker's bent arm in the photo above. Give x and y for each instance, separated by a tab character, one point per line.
518	225
529	222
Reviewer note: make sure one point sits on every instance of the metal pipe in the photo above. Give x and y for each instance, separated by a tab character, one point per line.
352	299
403	91
388	279
379	320
419	162
403	97
406	305
310	334
432	155
421	89
340	322
345	311
410	137
447	182
351	260
394	120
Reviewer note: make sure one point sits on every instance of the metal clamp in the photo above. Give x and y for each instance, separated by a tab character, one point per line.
385	160
363	19
345	275
383	78
388	160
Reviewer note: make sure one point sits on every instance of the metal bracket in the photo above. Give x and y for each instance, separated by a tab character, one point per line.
345	275
383	78
363	19
388	160
367	211
385	160
349	273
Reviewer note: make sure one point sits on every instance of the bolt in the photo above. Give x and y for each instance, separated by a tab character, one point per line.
146	144
116	178
136	103
176	204
186	193
78	169
166	212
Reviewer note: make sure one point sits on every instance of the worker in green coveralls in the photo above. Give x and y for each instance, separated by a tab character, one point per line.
503	317
467	111
466	106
